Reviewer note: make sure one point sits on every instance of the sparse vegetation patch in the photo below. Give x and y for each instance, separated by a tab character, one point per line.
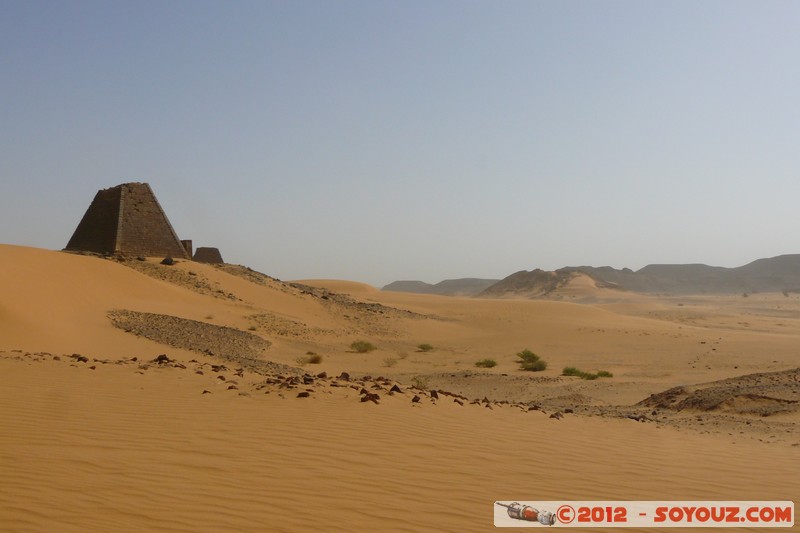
424	347
420	382
362	346
572	371
486	363
530	361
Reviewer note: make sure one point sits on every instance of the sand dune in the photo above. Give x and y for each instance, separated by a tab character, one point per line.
100	442
114	449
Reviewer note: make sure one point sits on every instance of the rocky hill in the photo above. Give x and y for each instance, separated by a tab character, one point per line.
781	273
448	287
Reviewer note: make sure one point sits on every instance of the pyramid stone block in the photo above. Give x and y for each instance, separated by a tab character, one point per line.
127	219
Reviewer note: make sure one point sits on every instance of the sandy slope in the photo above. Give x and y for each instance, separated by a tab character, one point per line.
112	449
137	446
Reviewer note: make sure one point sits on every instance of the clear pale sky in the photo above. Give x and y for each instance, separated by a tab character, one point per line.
376	141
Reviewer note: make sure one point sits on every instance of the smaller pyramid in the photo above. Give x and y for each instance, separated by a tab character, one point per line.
208	255
127	219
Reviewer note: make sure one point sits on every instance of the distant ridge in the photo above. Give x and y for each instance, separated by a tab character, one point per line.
448	287
781	273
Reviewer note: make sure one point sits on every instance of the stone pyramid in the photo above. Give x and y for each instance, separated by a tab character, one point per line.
127	219
208	255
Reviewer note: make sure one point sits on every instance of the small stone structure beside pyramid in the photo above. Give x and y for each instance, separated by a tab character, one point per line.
208	255
128	219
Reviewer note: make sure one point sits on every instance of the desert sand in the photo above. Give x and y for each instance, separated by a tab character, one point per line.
143	397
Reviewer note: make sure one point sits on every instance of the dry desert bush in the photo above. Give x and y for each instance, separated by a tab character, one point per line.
362	346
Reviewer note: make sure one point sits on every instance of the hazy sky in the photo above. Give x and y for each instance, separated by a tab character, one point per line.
374	140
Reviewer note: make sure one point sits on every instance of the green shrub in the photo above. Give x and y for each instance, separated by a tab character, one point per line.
530	361
527	356
572	371
534	366
424	347
362	346
486	363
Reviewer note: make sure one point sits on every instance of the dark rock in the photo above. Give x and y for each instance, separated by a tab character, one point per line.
206	392
221	377
199	372
162	359
395	389
344	376
568	411
233	387
415	399
459	402
434	395
370	397
322	375
557	415
303	394
363	391
307	380
168	261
